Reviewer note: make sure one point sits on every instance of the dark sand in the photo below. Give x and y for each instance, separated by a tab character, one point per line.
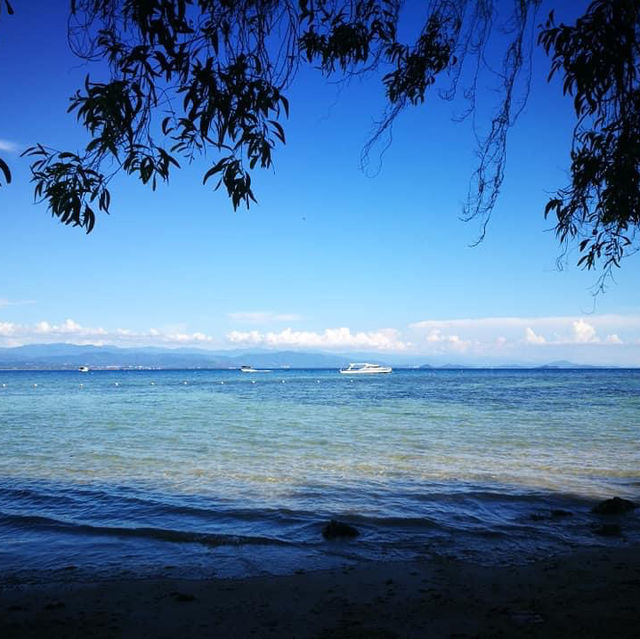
594	593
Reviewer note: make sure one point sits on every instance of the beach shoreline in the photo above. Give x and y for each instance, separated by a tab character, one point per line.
588	593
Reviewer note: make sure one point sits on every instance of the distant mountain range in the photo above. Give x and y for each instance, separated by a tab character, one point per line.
71	356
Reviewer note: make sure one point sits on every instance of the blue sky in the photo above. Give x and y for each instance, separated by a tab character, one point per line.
330	258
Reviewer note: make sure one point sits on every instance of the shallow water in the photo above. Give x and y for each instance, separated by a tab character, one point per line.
219	472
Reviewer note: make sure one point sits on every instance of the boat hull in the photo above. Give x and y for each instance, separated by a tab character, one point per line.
366	370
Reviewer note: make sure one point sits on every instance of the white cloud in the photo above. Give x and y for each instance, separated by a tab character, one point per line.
521	323
7	329
68	327
71	331
477	323
8	146
531	338
387	339
186	338
589	339
536	330
6	302
448	342
263	317
584	332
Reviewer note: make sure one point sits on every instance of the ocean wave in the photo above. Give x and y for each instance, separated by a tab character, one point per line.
35	523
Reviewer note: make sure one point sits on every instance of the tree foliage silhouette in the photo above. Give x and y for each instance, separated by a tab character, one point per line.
599	58
189	77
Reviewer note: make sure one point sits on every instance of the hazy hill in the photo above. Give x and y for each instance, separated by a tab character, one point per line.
69	356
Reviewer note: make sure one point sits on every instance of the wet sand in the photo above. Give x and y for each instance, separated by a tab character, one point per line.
594	593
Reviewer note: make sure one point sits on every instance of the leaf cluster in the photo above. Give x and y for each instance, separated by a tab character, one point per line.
187	76
344	35
72	190
417	67
599	59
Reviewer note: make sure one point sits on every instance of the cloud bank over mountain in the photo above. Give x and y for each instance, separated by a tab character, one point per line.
596	339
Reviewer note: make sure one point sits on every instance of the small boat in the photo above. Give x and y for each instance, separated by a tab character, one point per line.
83	369
251	369
365	369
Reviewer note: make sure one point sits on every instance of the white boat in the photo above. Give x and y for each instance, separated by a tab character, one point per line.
251	369
365	369
83	369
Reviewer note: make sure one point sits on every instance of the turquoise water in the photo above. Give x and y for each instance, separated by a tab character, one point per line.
219	472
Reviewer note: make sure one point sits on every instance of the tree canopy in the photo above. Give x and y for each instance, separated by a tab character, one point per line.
189	77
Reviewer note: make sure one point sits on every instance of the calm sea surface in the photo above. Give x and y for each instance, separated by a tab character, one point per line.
200	473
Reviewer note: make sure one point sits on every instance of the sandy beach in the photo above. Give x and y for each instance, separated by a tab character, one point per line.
592	593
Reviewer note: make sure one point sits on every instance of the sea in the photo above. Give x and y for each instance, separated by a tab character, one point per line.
219	473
